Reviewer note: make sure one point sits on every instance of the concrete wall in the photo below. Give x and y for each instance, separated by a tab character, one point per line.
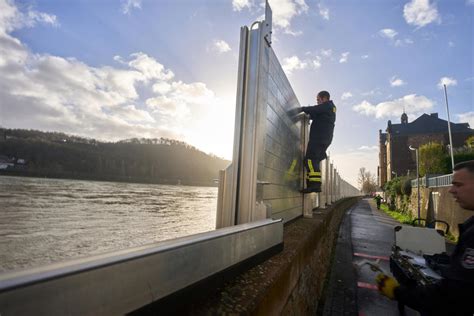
438	203
289	283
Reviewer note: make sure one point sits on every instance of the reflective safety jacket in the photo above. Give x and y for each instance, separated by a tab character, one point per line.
322	127
454	294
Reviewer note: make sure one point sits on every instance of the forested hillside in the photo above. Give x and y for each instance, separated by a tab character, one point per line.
52	154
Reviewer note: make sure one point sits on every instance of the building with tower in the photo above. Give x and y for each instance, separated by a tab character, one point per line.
395	157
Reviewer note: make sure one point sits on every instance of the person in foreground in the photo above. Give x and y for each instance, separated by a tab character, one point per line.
321	132
454	294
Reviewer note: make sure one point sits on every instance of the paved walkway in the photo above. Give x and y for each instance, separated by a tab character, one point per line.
365	234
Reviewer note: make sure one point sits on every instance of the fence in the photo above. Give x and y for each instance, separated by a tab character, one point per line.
433	181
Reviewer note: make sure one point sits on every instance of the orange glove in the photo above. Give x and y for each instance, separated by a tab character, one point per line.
386	285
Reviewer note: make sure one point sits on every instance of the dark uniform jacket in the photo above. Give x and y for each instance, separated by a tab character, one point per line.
454	294
322	127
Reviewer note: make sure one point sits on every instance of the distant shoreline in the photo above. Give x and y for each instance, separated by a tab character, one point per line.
82	177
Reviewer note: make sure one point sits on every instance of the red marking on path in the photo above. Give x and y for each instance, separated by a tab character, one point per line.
361	313
367	286
358	254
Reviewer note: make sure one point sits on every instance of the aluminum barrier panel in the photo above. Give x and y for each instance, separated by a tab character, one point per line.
280	167
267	166
266	173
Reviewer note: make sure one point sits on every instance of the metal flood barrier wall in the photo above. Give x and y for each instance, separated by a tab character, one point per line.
267	170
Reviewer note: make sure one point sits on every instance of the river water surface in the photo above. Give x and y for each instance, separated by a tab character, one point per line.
49	220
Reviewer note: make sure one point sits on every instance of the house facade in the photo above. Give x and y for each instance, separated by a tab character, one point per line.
395	157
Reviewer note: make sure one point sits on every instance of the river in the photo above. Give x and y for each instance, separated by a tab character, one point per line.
49	220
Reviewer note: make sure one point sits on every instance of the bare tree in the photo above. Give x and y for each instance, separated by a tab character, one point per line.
367	181
361	178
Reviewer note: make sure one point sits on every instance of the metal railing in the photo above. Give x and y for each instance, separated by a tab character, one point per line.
433	181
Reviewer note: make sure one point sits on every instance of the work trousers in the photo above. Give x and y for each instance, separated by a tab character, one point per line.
315	153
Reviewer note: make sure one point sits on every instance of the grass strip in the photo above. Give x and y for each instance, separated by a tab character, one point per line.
408	219
399	216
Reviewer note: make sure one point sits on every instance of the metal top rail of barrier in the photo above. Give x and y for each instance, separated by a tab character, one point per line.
123	281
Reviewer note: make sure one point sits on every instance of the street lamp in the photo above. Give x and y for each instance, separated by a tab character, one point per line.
417	177
449	128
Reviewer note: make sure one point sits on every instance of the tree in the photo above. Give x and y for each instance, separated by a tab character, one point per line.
431	158
470	142
367	181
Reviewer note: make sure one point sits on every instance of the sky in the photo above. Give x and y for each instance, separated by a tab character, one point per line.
118	69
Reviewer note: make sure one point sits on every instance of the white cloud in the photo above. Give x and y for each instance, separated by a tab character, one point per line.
371	92
284	11
368	148
396	82
293	63
410	104
323	11
326	52
364	56
131	114
344	57
35	16
420	13
392	35
129	5
447	81
346	95
469	2
450	43
290	64
316	63
161	87
11	18
220	46
388	33
238	5
406	41
139	97
149	67
467	117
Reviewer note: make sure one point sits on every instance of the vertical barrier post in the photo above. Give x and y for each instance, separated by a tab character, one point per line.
330	178
220	200
324	184
338	186
309	200
334	199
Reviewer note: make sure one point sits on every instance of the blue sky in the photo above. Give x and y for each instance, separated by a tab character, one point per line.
142	68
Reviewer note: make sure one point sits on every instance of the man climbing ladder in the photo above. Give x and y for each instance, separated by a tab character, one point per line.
323	116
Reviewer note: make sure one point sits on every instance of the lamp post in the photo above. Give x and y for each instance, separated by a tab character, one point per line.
449	129
417	177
